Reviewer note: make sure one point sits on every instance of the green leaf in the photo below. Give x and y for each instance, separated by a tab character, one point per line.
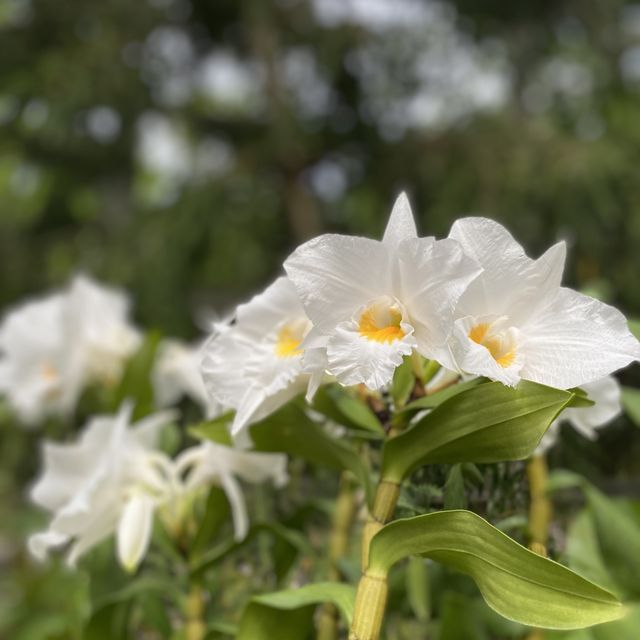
403	383
631	404
136	382
215	515
437	398
485	423
454	495
216	430
517	583
580	399
339	405
290	430
288	615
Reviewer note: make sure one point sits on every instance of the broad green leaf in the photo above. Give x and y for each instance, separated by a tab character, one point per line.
136	381
288	615
339	405
437	398
580	399
634	327
631	404
626	629
485	423
403	383
291	431
216	430
515	582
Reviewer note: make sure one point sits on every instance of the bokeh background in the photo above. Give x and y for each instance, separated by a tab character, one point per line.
181	148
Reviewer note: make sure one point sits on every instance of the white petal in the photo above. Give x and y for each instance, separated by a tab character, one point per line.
40	543
238	507
606	394
511	284
577	340
265	311
354	359
334	275
134	531
434	275
401	225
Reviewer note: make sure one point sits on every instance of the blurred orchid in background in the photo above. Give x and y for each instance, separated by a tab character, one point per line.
176	373
108	481
606	395
52	348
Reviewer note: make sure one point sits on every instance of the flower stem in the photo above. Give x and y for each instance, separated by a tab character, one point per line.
343	518
384	504
194	627
540	508
371	601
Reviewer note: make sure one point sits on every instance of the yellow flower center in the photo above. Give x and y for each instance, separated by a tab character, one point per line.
499	346
48	372
381	324
288	341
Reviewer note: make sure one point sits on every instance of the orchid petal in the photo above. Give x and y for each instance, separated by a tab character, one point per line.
134	531
401	225
577	340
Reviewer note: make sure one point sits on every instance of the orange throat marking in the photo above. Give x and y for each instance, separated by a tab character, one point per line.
502	353
369	326
287	344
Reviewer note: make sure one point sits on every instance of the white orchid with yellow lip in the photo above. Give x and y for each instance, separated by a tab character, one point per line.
110	481
254	365
372	302
606	395
516	322
52	348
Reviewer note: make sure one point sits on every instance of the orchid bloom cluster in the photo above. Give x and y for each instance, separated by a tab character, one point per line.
351	308
54	347
114	478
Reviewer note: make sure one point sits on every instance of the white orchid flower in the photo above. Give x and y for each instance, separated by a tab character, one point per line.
607	396
372	302
176	372
33	368
109	481
51	348
97	328
516	322
214	464
255	364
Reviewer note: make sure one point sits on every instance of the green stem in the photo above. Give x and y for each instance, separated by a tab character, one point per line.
371	602
540	508
194	626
